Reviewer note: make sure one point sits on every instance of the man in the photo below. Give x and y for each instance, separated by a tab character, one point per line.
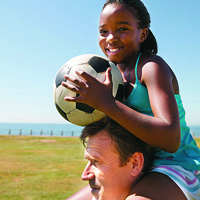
116	161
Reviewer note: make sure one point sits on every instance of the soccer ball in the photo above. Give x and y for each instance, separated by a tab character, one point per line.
79	113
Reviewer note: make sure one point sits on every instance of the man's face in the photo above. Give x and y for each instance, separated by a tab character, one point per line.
106	178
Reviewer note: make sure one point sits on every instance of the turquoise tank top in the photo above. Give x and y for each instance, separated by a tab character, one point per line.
188	154
141	102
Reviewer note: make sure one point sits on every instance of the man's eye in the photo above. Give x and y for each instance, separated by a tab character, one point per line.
95	162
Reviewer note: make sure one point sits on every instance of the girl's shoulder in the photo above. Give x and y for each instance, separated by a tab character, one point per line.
154	67
154	64
153	59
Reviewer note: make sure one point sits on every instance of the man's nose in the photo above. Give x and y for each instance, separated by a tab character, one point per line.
88	173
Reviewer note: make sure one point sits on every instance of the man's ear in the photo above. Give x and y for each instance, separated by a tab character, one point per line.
144	34
137	163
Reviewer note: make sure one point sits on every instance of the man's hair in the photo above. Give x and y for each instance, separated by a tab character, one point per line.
125	143
141	13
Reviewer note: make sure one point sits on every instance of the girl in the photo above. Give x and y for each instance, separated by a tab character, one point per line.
152	110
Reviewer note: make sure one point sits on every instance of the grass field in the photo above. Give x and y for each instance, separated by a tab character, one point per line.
41	168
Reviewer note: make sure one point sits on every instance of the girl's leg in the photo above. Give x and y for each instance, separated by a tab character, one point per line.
83	194
156	186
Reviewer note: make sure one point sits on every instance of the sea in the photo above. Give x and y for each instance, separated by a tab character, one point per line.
40	129
66	130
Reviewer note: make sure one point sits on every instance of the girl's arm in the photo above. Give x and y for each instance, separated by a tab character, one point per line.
162	130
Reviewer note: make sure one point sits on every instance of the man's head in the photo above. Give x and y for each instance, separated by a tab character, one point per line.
116	159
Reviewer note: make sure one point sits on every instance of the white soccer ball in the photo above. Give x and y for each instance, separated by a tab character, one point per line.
79	113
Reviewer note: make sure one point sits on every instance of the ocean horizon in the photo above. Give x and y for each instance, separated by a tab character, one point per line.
40	129
49	129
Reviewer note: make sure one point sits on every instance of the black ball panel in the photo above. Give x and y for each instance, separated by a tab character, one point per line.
62	113
99	64
84	107
60	76
120	93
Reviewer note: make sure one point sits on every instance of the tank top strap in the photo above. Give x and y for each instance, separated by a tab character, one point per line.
136	65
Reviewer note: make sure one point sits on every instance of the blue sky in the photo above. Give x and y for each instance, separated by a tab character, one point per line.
38	36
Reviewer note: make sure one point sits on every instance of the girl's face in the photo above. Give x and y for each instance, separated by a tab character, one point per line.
120	36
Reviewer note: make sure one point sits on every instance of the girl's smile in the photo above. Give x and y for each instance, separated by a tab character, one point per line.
111	51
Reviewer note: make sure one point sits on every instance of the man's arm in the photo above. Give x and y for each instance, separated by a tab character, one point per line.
83	194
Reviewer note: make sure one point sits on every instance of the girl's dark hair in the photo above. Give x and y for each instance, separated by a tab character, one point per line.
150	44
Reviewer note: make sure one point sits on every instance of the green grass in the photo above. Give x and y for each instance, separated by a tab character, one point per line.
41	168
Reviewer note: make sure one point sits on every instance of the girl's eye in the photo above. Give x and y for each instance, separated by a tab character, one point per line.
103	32
122	29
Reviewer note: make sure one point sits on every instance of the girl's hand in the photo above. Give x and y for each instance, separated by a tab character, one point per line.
91	91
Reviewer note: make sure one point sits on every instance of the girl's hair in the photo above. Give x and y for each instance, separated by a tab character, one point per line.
150	44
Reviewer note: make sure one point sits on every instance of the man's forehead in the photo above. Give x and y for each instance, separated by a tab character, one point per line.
99	145
102	138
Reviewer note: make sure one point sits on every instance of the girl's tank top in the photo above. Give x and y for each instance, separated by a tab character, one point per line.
139	98
188	154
